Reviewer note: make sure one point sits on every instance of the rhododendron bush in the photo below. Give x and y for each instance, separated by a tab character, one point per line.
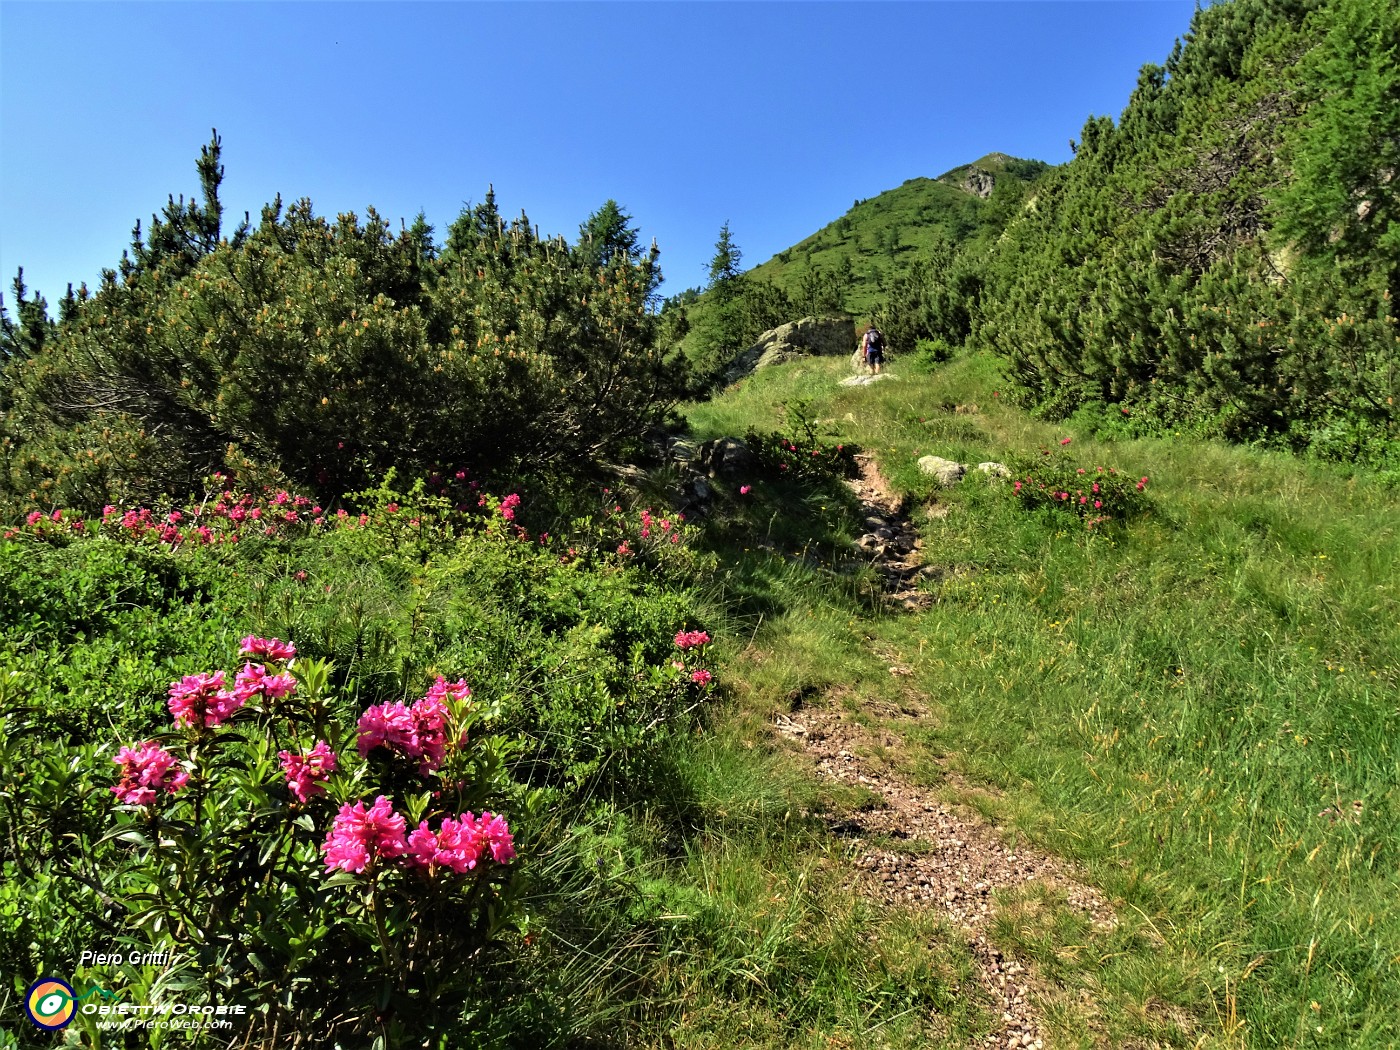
313	764
1098	495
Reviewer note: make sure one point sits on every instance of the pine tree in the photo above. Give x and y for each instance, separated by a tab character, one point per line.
189	231
725	273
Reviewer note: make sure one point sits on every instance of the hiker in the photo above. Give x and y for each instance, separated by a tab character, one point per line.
873	343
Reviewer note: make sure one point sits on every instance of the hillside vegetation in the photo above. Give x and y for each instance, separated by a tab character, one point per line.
370	657
1221	260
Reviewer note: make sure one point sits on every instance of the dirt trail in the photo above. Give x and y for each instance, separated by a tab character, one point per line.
891	538
944	856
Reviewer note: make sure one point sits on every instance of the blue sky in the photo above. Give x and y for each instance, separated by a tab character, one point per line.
772	116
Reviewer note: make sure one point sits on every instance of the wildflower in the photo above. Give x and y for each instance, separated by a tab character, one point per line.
418	732
145	769
254	679
508	506
267	648
1065	441
305	773
744	490
392	508
624	548
701	677
201	699
496	835
686	640
1098	504
442	689
361	836
108	511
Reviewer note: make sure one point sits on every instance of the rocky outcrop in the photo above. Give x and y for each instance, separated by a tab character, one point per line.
809	337
979	182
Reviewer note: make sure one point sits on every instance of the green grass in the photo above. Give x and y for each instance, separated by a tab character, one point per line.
1189	705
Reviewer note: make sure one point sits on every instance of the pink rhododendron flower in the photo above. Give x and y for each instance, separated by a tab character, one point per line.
305	773
1065	441
145	769
460	843
691	639
34	517
701	677
508	506
201	699
255	679
418	732
496	836
442	689
361	836
267	648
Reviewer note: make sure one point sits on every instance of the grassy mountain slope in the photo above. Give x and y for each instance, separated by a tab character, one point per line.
1192	705
878	238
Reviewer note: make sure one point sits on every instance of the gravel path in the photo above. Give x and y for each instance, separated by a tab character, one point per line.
953	860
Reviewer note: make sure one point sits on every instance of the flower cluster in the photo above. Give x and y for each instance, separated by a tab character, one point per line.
1096	494
146	769
360	837
460	843
417	731
203	700
224	516
306	773
691	643
691	639
662	539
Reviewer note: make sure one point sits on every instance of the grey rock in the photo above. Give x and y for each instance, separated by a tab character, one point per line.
866	380
947	471
726	457
997	470
808	337
682	450
980	183
694	496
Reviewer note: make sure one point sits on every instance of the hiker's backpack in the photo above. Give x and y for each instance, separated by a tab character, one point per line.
873	342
